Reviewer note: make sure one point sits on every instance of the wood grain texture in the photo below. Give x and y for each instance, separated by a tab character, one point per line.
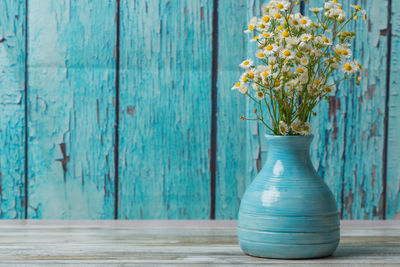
231	174
130	243
327	149
165	109
12	106
393	157
71	114
364	133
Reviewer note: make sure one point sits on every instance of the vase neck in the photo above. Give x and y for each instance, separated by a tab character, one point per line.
289	152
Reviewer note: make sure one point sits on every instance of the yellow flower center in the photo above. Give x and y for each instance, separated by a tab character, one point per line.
277	16
339	7
277	83
266	19
295	22
282	128
357	7
280	28
237	84
344	52
260	94
251	27
285	34
246	63
348	67
286	53
251	75
265	74
280	6
359	66
335	1
316	82
245	79
261	55
300	70
266	35
296	128
269	47
325	40
262	26
303	21
256	37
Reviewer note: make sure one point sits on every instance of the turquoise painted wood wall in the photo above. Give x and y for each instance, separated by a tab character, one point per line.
123	109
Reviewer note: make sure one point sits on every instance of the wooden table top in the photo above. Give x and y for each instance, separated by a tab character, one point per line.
172	243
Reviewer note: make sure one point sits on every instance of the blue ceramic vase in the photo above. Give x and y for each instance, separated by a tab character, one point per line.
288	211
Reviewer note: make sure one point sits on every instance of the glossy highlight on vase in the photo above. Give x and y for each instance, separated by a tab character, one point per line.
288	211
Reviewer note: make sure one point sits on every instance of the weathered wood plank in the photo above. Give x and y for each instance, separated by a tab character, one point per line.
135	243
393	155
349	129
364	133
12	104
231	174
327	149
71	114
165	109
256	141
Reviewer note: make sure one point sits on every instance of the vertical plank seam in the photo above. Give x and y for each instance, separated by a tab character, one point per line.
213	137
386	119
116	148
26	112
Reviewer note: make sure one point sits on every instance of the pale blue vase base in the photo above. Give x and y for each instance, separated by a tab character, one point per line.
287	251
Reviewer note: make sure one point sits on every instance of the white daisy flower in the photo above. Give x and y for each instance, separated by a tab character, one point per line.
305	37
285	34
296	126
305	22
301	70
272	60
343	50
330	89
255	38
282	5
270	49
252	25
246	64
261	54
276	14
303	79
236	86
243	89
267	35
255	86
263	25
316	10
364	14
260	95
292	41
304	61
306	128
283	128
287	54
325	40
349	67
295	20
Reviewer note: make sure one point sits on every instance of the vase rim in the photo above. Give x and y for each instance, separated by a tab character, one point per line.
289	136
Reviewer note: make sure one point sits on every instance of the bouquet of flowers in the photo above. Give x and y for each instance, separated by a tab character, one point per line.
297	58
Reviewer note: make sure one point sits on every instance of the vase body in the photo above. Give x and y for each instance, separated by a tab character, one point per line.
288	211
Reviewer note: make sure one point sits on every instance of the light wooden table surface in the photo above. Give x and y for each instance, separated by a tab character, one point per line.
172	243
